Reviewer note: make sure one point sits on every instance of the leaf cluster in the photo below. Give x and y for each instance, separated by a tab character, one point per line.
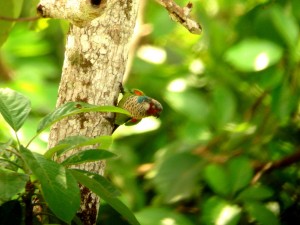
29	178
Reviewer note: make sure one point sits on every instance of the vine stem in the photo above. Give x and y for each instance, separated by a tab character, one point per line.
25	19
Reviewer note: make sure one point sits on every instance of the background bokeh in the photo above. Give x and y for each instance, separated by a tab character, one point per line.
231	104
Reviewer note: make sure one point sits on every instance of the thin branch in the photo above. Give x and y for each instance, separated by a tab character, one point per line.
8	161
25	19
270	166
182	15
14	152
253	109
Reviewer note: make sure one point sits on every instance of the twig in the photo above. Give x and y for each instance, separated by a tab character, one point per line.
25	19
249	114
182	15
270	166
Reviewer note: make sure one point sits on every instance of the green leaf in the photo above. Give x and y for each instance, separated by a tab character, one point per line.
5	145
253	55
154	216
217	178
218	211
14	107
11	9
11	183
176	182
72	142
104	193
240	173
189	103
284	102
108	187
224	106
255	193
59	188
90	155
285	24
261	214
73	108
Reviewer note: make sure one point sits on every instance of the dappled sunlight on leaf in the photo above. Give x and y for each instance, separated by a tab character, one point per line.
177	85
146	125
197	66
241	128
253	54
261	62
152	54
227	213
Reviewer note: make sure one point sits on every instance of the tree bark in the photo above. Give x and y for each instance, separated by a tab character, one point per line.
95	59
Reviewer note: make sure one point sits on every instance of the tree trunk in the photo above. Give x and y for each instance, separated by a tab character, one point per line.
95	60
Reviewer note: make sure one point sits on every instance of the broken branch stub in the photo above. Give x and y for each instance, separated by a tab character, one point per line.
78	12
182	15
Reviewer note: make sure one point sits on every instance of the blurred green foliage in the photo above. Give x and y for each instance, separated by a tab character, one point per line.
231	104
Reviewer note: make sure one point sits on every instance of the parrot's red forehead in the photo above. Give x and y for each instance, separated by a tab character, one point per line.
138	92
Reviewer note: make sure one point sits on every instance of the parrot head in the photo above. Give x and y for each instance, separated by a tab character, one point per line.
152	107
139	105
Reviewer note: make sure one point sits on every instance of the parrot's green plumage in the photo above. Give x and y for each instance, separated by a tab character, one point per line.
139	105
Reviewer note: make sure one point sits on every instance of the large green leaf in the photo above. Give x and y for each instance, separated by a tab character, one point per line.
229	178
85	156
14	107
106	194
11	183
240	173
72	108
189	103
253	55
217	178
255	193
261	214
59	188
286	25
218	211
73	142
177	176
11	9
107	187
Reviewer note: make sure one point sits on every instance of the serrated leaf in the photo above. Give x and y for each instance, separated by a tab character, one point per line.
110	189
240	173
178	182
85	156
98	188
11	183
59	188
217	178
73	142
14	107
73	108
261	214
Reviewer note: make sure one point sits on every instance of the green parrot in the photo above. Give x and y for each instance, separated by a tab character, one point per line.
139	105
